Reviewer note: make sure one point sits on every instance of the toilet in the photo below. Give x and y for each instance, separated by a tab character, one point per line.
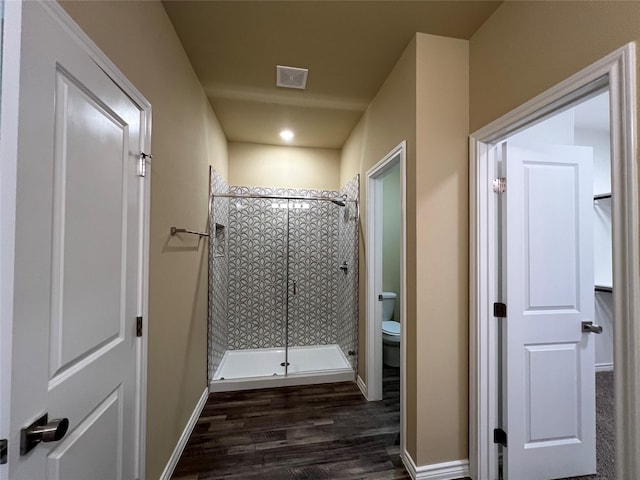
390	332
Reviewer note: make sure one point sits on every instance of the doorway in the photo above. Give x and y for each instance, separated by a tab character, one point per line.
385	273
555	250
612	75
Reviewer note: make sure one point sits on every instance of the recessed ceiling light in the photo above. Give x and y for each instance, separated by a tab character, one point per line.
286	135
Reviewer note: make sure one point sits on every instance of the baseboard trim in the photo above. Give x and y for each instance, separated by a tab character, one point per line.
184	438
438	471
604	367
362	386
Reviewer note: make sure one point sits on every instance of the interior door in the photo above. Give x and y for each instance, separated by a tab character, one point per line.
77	260
549	363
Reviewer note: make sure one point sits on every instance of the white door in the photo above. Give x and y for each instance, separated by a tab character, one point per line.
549	368
77	260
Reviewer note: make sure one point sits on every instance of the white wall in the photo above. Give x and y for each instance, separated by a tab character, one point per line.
557	130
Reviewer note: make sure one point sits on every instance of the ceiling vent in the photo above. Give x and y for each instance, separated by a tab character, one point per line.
291	77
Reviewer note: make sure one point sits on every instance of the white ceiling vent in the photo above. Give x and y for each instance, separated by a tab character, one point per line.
291	77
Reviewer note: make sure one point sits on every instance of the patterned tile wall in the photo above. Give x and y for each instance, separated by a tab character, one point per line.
257	274
258	250
347	319
218	268
313	266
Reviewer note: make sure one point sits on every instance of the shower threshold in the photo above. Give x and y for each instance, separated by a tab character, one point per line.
261	368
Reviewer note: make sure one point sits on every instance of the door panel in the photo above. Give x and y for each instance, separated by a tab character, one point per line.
87	437
549	363
77	259
88	201
551	419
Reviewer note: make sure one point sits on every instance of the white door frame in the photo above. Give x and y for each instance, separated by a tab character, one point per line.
8	167
617	72
8	181
373	287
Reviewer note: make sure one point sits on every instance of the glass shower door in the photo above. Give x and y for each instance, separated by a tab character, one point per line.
257	279
317	273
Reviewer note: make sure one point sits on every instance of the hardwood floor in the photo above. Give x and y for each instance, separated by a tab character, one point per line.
310	432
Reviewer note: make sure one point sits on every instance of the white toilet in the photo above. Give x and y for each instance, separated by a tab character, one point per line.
390	332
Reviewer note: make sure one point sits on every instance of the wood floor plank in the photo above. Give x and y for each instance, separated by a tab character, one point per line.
317	432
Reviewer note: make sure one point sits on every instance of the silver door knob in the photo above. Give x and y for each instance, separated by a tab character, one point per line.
589	327
42	431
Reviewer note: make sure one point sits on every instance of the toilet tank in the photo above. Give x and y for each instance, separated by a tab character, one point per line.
388	302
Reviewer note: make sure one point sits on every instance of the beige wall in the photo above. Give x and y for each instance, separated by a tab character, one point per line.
527	47
441	255
389	120
186	138
425	101
255	165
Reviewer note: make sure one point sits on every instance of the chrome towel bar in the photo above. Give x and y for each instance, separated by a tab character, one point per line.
175	230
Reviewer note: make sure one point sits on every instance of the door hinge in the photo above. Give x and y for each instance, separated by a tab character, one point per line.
138	326
4	450
142	164
500	437
499	185
499	310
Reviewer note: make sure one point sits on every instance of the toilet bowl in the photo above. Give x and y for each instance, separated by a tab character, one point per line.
390	332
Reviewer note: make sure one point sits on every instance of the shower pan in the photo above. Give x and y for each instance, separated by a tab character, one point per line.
282	305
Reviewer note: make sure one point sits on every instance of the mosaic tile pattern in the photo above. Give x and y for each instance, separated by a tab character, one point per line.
313	266
218	281
258	253
257	274
347	318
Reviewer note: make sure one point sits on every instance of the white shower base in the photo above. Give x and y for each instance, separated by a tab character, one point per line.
260	368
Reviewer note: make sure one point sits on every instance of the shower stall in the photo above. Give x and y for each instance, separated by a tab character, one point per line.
283	292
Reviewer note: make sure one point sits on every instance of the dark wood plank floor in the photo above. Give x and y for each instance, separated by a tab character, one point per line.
310	432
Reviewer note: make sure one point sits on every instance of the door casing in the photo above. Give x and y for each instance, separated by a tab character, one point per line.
373	387
8	168
617	72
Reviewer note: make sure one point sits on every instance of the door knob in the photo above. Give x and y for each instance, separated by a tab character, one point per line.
589	327
42	431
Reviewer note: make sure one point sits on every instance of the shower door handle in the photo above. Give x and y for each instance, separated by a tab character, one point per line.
295	288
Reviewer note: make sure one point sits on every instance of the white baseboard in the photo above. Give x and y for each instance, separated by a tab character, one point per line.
604	367
438	471
362	386
184	438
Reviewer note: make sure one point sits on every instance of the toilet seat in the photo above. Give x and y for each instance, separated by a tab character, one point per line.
391	328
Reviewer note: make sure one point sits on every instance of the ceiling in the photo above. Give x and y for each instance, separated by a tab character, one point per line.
349	47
